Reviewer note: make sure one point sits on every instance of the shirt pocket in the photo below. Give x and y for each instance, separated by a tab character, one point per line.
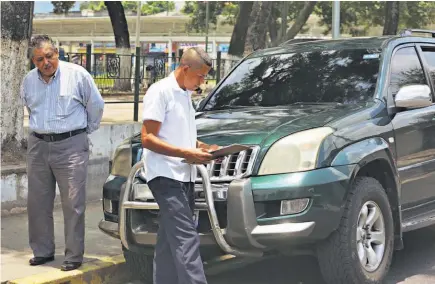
66	103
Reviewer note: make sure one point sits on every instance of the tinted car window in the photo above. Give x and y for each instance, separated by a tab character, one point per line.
332	76
429	55
405	69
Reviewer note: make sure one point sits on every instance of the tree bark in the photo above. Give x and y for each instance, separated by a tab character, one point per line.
16	30
273	31
301	19
122	41
257	31
238	38
392	10
276	35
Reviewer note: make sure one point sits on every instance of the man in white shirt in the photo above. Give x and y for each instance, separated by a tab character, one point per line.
169	136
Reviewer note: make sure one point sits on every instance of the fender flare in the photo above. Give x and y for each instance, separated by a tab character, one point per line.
362	153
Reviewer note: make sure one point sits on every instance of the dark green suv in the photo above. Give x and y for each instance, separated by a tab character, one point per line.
341	159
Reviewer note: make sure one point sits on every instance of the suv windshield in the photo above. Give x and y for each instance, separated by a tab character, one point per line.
322	76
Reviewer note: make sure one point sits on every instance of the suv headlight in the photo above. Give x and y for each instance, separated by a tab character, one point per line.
121	160
294	153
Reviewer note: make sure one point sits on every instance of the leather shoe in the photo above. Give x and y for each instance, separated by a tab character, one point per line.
69	265
40	260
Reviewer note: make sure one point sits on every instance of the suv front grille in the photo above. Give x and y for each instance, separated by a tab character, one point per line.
230	167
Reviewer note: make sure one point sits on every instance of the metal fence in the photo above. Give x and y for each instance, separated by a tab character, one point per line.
132	74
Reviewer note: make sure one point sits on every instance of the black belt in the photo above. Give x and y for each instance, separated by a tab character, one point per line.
59	136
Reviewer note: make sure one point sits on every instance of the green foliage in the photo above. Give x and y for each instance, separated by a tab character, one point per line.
197	12
155	7
147	8
229	12
62	7
93	5
357	17
416	14
294	7
129	5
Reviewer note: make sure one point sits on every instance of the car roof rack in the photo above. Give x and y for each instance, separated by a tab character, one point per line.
410	32
299	40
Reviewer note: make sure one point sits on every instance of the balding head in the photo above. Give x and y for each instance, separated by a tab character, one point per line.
194	66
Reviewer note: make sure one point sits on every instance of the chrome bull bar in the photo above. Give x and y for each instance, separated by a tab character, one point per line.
208	205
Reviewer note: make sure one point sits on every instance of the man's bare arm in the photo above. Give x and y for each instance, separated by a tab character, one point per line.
150	140
150	130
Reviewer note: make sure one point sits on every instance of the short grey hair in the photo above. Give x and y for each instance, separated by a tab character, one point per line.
39	40
196	57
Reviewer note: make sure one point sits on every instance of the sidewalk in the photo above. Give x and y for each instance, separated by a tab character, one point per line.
101	251
114	113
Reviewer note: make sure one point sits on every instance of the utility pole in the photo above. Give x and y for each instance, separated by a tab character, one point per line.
206	24
139	11
335	19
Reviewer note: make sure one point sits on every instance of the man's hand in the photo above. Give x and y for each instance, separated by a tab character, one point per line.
213	147
150	140
197	156
210	148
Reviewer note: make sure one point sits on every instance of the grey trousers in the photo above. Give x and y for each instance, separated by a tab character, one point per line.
176	258
64	162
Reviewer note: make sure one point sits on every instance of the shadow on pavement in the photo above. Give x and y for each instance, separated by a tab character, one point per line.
416	263
413	265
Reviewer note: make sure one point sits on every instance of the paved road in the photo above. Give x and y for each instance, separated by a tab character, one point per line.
414	265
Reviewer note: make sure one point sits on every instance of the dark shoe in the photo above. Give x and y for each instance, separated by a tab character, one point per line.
40	260
68	265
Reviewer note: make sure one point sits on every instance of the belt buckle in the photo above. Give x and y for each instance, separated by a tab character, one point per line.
48	138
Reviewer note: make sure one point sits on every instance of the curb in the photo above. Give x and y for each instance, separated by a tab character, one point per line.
98	271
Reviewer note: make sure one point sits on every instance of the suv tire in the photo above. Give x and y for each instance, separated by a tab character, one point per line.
140	266
339	256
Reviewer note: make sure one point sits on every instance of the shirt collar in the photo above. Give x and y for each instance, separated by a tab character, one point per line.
177	87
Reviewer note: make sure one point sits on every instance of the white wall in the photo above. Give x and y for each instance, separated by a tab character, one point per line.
102	145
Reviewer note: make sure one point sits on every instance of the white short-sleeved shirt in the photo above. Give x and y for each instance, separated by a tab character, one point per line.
167	103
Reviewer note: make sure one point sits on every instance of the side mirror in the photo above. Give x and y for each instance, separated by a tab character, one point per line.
413	96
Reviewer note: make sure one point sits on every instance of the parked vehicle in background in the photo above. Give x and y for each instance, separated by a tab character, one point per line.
341	159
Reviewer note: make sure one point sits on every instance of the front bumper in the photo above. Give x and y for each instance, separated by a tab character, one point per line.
246	234
150	238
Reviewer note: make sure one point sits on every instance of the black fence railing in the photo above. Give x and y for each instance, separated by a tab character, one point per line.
134	73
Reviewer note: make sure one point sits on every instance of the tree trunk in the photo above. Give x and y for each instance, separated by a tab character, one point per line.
392	10
275	36
122	41
300	21
16	30
257	31
273	31
238	38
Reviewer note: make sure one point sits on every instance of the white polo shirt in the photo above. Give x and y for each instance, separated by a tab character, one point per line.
167	103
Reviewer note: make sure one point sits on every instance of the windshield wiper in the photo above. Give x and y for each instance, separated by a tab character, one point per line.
317	103
229	107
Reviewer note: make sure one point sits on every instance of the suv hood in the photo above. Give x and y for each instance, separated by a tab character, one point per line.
255	125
